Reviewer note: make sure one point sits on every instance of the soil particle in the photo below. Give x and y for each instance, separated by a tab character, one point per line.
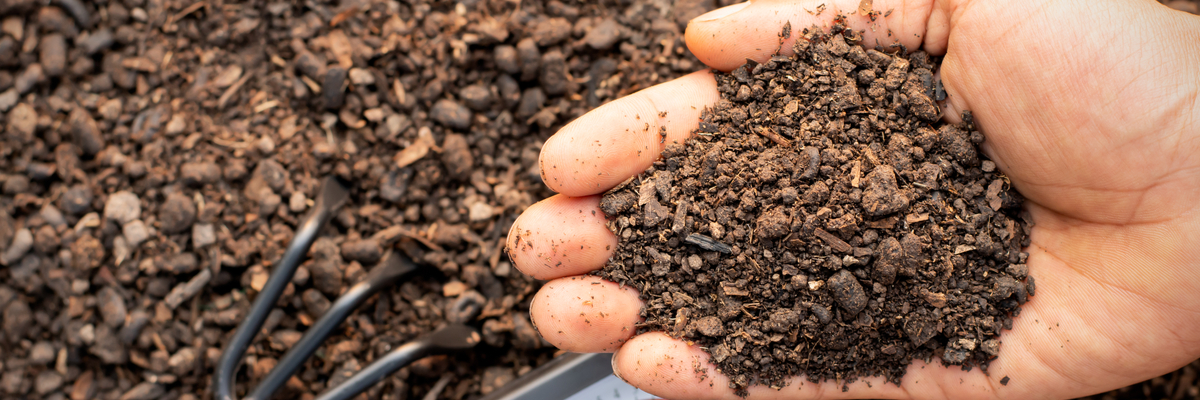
122	207
144	391
106	346
477	97
86	132
177	214
451	114
17	319
21	243
848	292
551	31
457	157
366	251
112	307
199	173
135	232
603	35
825	175
53	54
42	353
181	263
315	303
47	381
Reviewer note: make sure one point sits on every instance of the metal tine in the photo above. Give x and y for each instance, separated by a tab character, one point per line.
450	338
334	193
392	269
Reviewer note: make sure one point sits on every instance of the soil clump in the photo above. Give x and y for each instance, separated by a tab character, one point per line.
824	223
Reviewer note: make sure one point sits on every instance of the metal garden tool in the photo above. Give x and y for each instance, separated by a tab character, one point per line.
389	271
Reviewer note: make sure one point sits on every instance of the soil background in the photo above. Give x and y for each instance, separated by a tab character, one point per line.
156	155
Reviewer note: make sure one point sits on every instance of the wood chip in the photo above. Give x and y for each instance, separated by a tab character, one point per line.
834	242
731	290
82	389
886	223
915	218
417	150
185	291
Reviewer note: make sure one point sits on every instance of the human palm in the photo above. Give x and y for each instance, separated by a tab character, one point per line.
1090	110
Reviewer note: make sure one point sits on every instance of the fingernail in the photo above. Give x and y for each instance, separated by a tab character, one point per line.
721	12
614	367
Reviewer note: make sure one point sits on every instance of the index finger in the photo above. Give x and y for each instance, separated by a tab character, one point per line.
621	139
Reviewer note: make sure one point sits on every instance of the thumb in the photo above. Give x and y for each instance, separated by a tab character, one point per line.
726	37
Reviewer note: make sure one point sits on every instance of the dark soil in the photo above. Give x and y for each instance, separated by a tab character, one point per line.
824	222
156	156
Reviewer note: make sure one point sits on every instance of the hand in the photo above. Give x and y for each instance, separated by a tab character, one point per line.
1092	112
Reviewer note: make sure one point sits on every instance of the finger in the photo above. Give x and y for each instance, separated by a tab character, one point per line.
560	236
726	37
671	368
585	314
620	139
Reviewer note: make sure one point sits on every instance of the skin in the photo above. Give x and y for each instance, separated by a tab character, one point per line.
1090	110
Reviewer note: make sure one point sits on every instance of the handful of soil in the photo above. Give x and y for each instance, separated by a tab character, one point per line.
824	222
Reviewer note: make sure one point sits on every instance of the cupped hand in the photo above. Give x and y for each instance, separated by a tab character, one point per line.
1092	111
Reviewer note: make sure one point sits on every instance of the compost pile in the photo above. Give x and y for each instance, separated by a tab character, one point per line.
156	156
824	222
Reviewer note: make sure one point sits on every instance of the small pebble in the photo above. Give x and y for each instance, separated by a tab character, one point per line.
505	57
477	97
52	216
183	361
366	251
76	200
451	114
361	77
22	242
297	203
22	122
181	263
42	353
199	173
530	58
112	307
481	211
334	88
551	31
86	132
457	157
47	381
177	214
135	232
315	303
30	77
8	99
603	35
265	145
98	41
203	235
53	54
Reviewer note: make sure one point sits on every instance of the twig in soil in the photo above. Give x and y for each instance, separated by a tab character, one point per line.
708	243
438	387
184	12
231	91
770	134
